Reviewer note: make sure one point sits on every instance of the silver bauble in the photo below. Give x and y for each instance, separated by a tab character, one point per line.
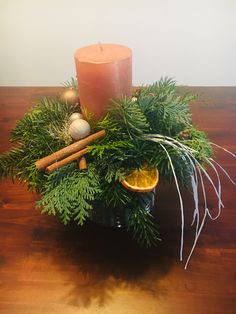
75	116
79	129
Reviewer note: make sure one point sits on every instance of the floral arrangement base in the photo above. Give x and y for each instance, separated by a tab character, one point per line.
116	217
75	162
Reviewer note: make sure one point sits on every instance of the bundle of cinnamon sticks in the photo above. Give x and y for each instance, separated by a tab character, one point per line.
64	156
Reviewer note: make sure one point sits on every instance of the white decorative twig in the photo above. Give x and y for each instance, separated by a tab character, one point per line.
197	170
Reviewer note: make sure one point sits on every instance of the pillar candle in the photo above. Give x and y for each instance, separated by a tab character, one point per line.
104	72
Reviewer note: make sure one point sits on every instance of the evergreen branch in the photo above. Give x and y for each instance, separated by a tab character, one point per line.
129	117
9	161
35	126
114	194
19	164
102	147
72	83
167	112
69	193
109	124
142	226
115	173
40	132
200	144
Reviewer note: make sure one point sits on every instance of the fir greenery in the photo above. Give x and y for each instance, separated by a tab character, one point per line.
153	127
142	226
38	134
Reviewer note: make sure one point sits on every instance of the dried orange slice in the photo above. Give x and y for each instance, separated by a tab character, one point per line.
141	180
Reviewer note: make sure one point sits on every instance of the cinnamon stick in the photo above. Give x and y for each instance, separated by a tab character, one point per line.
82	163
66	160
66	151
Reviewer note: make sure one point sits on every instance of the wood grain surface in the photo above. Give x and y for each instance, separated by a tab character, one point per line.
47	268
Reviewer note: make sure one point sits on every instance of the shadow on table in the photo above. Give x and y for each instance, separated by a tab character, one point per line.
99	262
103	260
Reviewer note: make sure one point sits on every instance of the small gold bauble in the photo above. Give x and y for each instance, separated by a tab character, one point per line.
70	96
75	116
79	128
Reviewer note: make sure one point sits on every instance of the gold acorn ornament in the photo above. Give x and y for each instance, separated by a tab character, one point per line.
70	96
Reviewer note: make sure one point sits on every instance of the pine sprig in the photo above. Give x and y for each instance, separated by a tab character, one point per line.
9	162
129	117
167	112
101	148
113	194
110	125
200	144
142	226
114	173
38	134
72	83
18	164
35	127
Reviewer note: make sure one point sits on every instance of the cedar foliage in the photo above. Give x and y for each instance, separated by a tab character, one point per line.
68	193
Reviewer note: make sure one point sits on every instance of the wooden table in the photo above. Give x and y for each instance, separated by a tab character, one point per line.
46	267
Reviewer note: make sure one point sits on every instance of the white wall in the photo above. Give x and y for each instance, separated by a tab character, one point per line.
193	41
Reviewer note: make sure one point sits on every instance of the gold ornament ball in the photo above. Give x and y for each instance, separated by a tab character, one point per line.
75	116
70	96
79	129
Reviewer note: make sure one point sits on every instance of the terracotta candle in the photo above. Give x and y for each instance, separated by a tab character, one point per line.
104	72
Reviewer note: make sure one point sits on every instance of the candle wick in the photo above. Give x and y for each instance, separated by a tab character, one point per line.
100	46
